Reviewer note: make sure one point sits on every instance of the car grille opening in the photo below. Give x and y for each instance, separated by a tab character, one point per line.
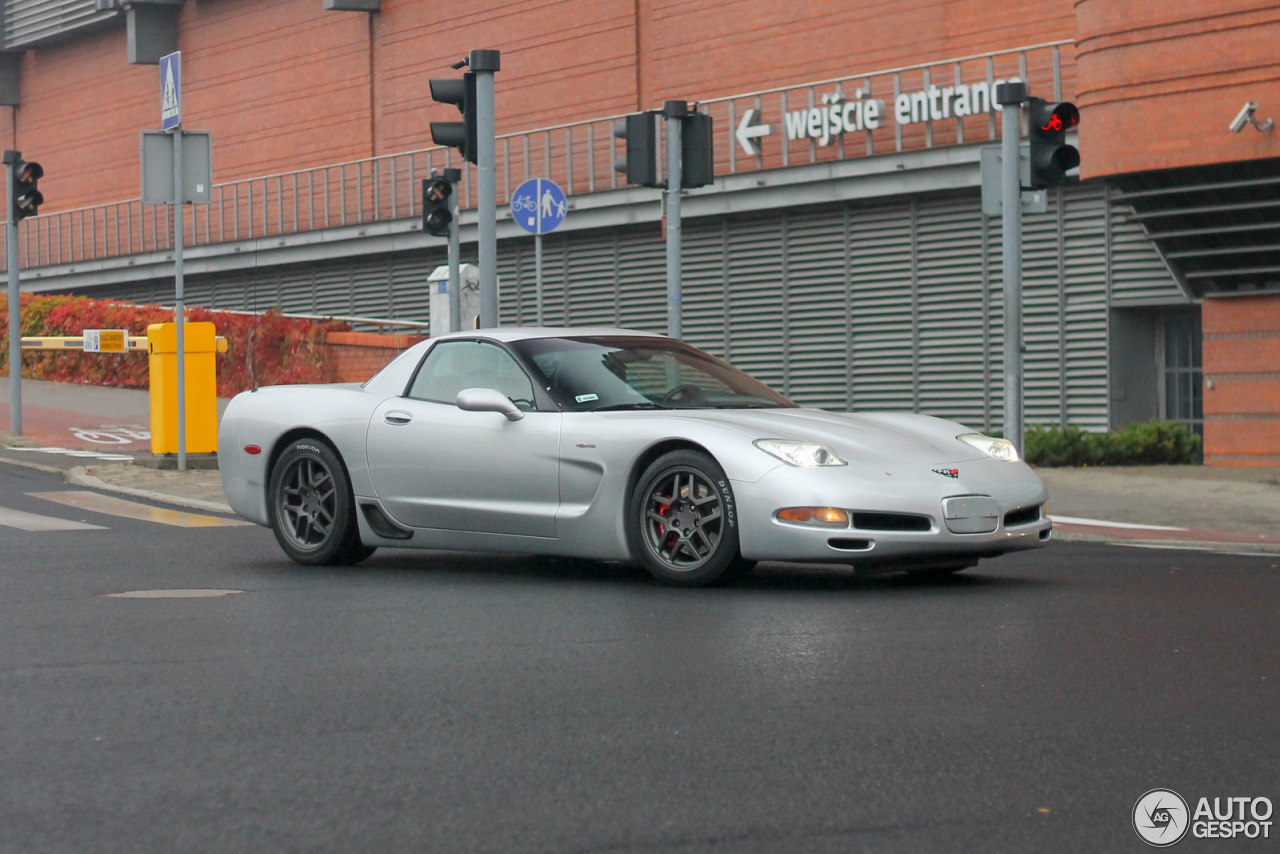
891	522
847	544
1023	516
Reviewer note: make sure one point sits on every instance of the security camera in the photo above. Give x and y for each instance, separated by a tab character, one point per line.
1243	117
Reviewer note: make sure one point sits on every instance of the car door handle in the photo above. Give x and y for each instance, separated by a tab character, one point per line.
397	416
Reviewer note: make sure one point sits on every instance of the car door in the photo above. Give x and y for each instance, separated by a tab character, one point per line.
437	466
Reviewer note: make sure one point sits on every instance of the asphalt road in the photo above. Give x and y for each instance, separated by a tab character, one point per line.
450	702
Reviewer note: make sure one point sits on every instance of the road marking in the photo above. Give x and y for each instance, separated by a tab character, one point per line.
97	455
177	593
1242	550
11	518
113	506
1100	523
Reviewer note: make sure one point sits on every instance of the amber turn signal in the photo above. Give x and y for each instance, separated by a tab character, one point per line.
814	515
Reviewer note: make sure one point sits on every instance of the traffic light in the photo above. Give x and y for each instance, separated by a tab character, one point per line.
639	162
697	166
26	198
1050	155
462	94
437	210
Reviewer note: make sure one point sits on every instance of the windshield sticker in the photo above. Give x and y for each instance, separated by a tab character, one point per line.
586	398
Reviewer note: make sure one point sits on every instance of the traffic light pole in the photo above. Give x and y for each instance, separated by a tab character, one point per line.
455	277
674	111
15	308
1010	97
483	63
179	310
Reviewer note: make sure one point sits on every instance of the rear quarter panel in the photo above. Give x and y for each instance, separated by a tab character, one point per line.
267	417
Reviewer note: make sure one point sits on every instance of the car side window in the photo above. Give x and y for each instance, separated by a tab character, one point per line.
451	366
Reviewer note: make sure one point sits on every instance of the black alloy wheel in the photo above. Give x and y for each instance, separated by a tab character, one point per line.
312	511
684	521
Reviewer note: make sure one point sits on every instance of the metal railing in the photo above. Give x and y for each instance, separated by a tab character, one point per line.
578	156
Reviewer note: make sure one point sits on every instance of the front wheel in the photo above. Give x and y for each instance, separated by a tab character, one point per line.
312	511
684	522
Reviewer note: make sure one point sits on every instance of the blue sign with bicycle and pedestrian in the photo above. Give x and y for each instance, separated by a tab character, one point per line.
538	205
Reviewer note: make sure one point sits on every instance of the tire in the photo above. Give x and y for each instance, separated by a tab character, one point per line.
683	521
311	508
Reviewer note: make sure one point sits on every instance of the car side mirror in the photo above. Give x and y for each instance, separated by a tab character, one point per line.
488	400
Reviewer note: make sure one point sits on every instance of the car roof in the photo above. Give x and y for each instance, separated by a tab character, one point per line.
395	375
521	333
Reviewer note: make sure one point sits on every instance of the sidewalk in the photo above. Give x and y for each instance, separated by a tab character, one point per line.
102	437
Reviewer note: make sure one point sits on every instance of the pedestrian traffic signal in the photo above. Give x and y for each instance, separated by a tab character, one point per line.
460	135
437	212
639	162
26	198
697	165
1051	157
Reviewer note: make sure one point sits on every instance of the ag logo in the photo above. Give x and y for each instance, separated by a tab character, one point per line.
952	473
1160	817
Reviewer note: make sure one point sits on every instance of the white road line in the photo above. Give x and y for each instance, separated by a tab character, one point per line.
133	510
1102	523
11	518
97	455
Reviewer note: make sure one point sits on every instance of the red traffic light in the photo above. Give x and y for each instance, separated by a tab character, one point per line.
1059	118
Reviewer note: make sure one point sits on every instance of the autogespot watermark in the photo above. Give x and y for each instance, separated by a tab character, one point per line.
1161	818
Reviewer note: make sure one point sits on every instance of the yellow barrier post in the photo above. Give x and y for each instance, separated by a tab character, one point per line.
201	381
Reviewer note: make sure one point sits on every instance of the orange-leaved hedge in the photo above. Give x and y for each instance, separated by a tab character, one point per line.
262	349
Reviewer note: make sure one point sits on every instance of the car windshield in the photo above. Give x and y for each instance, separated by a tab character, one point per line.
597	373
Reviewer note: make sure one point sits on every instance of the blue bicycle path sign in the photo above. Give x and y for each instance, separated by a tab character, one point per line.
538	205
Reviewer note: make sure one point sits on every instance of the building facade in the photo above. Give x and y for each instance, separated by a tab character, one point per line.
842	253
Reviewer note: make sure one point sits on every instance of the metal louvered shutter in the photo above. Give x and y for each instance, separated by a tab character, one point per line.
1137	271
816	310
954	335
882	291
27	22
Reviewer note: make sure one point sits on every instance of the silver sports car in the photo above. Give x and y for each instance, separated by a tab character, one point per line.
618	445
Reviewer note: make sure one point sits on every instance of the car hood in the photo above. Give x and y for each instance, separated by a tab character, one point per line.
882	435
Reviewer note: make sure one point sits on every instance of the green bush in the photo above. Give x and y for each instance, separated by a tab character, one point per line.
1146	443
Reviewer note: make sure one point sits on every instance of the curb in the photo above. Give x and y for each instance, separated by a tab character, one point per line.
79	477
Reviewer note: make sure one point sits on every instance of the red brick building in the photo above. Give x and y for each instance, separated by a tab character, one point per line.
862	256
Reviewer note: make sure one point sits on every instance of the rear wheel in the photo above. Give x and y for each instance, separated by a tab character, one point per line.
684	523
311	508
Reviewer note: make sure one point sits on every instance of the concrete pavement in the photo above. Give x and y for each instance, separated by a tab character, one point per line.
99	437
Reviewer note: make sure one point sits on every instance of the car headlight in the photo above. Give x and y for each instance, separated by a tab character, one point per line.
806	454
1000	449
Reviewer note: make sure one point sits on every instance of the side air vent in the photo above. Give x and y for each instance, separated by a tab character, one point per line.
382	524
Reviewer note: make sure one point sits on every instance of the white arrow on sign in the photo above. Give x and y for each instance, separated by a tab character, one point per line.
747	132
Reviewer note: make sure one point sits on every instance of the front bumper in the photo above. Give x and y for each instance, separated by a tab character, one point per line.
896	514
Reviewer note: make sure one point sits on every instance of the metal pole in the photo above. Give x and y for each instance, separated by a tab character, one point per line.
483	64
537	248
454	176
675	111
1010	97
537	272
179	312
15	295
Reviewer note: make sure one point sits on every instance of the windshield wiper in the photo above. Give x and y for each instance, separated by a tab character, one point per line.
623	406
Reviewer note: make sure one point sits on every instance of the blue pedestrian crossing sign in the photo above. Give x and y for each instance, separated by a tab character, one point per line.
171	90
538	206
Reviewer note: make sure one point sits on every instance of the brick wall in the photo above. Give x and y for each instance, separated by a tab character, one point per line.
360	355
1242	380
1158	82
284	85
